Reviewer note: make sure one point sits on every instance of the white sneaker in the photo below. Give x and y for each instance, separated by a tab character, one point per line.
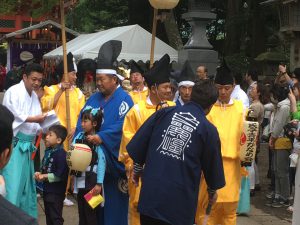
68	202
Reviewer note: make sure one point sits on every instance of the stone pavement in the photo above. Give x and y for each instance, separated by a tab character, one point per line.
259	215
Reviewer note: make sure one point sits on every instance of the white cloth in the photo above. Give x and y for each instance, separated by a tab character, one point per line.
79	182
239	94
253	175
269	108
176	96
180	100
186	83
22	105
148	100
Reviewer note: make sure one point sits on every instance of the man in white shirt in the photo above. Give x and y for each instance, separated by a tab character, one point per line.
23	102
238	93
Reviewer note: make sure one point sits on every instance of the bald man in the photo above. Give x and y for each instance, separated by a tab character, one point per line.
202	72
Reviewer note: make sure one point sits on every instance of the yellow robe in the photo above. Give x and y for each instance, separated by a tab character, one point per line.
134	119
137	96
77	101
228	120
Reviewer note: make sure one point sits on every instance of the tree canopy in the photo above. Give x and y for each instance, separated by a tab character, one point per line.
93	15
242	29
35	8
240	32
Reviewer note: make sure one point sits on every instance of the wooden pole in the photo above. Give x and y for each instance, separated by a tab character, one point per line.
66	78
153	36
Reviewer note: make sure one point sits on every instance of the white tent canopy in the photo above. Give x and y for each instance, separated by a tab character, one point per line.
136	44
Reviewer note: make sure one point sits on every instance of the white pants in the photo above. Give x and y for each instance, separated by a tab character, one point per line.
253	175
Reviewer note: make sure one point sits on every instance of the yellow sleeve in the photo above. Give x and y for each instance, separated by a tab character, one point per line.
130	127
48	98
81	100
171	103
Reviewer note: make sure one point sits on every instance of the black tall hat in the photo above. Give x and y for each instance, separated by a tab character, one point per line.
135	68
187	76
107	58
224	75
84	66
175	74
108	54
159	73
87	65
71	65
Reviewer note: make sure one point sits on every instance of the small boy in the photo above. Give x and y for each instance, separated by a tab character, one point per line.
54	174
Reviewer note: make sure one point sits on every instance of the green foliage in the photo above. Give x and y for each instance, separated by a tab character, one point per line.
215	32
7	6
93	15
184	27
40	7
35	8
241	26
238	62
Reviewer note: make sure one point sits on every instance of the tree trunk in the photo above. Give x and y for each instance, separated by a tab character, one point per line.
233	36
258	30
172	31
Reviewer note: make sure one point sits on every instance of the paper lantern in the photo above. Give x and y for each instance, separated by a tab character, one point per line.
26	56
79	157
248	141
163	4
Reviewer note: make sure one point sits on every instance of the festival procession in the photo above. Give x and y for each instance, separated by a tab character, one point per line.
159	112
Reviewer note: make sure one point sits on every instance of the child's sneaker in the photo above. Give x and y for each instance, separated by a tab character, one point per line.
68	202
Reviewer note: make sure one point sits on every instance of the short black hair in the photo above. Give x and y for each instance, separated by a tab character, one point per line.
297	73
280	91
6	131
253	73
34	67
238	78
60	131
204	93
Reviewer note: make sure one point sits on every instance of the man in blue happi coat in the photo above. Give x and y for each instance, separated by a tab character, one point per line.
172	148
115	103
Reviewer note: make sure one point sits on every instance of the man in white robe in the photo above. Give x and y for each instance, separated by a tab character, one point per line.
23	102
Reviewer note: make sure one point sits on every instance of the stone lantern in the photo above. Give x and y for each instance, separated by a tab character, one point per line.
268	61
289	17
198	50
